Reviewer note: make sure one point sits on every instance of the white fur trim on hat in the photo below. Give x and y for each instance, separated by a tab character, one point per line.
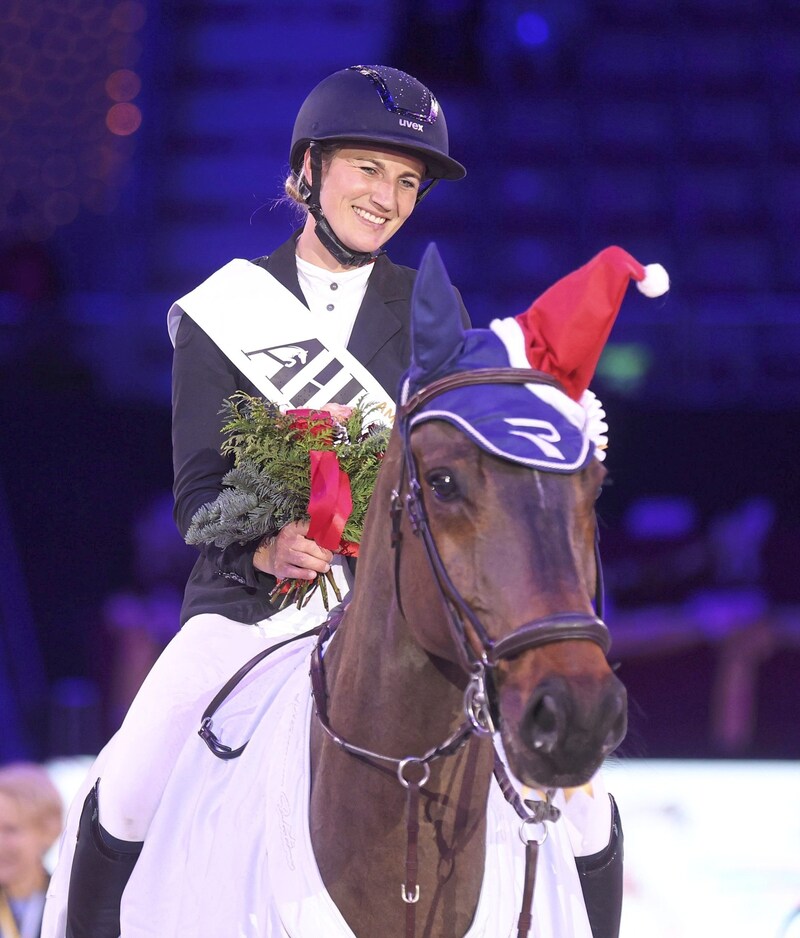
510	334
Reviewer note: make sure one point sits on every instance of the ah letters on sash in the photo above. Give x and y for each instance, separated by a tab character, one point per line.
271	337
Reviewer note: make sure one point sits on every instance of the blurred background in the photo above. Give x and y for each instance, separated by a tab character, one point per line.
143	144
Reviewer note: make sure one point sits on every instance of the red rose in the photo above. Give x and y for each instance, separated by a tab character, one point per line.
317	422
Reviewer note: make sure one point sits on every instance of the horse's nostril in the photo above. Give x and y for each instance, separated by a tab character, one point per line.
544	713
619	723
545	717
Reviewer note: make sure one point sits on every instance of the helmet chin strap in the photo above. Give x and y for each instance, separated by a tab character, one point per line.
346	256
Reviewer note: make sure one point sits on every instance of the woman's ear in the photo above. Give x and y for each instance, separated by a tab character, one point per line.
307	174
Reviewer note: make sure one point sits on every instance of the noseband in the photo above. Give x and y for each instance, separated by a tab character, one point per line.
559	627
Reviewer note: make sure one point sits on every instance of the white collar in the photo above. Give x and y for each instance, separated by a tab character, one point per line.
321	276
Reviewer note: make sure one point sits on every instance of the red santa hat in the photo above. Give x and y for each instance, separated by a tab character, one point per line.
566	328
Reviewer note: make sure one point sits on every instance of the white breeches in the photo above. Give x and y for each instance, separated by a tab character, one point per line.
167	708
169	705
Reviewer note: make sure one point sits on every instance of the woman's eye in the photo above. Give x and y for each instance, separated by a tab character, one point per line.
443	484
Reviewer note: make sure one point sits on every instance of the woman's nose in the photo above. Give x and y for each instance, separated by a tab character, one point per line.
383	194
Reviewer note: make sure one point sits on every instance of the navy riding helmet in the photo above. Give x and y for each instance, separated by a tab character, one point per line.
371	104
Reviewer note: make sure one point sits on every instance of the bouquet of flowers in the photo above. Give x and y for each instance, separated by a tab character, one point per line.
290	466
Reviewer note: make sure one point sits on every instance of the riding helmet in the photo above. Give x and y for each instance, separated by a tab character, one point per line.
378	105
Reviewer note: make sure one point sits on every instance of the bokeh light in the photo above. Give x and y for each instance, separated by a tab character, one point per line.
123	85
123	119
67	114
128	16
532	29
623	366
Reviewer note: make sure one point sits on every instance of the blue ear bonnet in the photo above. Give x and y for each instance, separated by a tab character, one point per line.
536	425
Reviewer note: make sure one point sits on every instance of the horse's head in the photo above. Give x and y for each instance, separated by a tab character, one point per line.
500	480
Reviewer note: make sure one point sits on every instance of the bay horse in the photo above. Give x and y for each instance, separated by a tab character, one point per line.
472	619
483	584
518	550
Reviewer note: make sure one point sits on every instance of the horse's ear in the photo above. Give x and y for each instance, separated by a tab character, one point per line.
437	334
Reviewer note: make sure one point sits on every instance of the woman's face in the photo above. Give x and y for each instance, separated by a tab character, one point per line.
23	842
367	194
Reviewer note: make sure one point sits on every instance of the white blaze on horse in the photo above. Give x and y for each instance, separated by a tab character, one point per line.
374	805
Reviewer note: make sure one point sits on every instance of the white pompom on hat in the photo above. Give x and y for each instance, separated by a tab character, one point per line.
655	281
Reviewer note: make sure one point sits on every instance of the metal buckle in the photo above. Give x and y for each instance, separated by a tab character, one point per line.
476	704
396	512
416	514
205	733
409	897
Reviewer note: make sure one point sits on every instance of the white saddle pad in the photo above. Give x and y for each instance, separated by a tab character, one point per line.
229	852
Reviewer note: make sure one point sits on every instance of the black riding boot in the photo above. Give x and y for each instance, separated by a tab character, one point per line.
101	868
601	882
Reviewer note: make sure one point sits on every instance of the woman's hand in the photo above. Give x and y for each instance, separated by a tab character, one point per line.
290	554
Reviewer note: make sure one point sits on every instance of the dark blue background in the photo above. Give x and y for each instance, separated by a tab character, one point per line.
671	128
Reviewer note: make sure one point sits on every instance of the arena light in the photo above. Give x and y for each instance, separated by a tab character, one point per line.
623	366
532	29
123	119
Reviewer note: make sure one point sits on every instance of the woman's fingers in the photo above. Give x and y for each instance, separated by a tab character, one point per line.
291	554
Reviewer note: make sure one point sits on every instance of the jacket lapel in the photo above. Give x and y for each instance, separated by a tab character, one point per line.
383	313
283	267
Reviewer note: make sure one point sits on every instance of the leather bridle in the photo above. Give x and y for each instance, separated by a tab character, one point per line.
477	661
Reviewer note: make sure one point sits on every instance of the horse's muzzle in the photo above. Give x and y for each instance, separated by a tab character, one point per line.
567	731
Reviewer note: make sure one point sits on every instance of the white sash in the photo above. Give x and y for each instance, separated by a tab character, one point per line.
273	339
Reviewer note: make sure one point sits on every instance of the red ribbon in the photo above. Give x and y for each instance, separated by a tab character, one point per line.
331	501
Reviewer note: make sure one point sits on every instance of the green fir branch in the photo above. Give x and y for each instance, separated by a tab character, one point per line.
269	485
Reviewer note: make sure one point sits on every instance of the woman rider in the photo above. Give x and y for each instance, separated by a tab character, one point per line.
368	144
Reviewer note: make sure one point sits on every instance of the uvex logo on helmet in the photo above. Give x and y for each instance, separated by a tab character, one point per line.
404	122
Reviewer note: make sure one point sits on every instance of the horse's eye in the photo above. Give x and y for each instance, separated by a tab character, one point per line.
603	485
443	484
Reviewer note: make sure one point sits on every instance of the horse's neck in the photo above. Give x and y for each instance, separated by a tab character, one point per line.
386	693
388	696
